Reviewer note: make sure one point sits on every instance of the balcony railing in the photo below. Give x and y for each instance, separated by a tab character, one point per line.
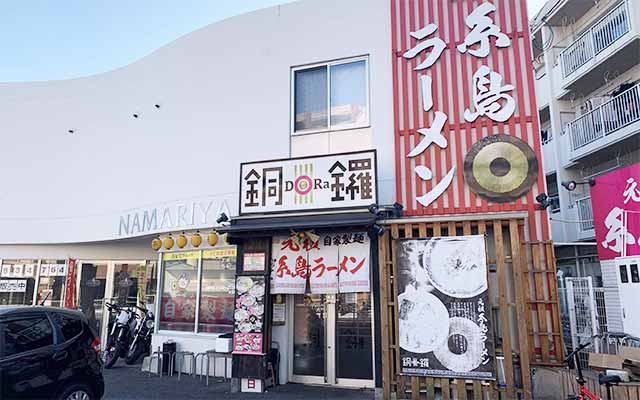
585	213
610	116
600	36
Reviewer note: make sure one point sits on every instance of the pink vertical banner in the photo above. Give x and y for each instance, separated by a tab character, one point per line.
615	200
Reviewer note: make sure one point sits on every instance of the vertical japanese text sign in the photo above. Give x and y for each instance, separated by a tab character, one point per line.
615	202
335	181
461	74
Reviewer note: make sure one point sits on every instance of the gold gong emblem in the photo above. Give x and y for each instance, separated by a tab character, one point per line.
500	168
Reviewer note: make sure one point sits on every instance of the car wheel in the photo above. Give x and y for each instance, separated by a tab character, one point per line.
77	392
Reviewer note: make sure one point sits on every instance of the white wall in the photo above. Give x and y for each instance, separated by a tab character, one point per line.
127	249
224	96
612	296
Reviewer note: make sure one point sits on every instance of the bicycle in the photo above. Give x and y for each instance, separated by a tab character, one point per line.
585	394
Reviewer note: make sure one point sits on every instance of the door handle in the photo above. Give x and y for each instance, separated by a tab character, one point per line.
60	356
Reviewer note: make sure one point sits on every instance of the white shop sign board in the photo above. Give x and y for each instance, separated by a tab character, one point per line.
339	181
13	285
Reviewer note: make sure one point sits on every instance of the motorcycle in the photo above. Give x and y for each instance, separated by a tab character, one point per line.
141	343
120	336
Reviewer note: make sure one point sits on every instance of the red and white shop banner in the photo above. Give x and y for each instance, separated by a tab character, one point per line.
354	266
70	295
323	269
467	135
334	263
290	266
615	200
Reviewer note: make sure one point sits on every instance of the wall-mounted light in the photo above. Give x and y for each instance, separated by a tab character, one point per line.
543	200
384	212
135	115
71	131
222	218
376	230
157	106
571	185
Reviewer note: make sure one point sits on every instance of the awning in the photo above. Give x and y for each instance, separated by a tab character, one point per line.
268	225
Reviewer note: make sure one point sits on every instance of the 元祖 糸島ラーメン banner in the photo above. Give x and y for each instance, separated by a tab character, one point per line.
330	263
443	308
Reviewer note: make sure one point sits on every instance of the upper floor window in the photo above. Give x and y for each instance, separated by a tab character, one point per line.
331	96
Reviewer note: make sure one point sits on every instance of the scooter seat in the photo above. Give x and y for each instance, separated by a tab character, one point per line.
608	379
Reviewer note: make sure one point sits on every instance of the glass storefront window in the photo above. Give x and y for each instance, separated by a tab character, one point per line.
217	290
125	284
51	285
93	281
181	288
147	278
17	282
179	292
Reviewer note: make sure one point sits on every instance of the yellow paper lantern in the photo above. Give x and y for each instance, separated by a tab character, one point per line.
181	241
212	239
168	242
156	244
196	240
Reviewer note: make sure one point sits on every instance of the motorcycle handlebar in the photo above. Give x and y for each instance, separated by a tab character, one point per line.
144	310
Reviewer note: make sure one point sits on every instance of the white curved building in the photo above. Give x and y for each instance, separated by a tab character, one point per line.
93	168
112	186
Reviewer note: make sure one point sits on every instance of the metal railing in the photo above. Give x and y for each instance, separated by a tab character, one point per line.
610	116
597	38
585	213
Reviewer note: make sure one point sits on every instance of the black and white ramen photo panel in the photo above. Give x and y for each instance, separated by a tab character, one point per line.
444	310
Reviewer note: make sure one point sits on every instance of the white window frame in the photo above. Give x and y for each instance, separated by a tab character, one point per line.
328	65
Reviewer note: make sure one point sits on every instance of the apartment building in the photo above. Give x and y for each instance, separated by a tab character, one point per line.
587	69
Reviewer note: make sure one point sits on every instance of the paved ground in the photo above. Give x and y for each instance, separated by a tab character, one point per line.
124	382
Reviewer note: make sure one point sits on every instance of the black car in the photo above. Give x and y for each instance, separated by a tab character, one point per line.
49	353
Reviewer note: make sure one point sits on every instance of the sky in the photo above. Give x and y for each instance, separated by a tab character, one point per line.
49	40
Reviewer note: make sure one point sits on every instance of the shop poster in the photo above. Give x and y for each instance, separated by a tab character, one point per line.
444	310
332	263
249	315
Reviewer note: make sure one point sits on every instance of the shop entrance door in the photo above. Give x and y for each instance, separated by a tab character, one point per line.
103	282
333	340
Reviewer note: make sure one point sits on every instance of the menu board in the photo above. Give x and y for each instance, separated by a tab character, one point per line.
249	315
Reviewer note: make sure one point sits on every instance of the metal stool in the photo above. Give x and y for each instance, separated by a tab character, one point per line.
200	356
159	355
212	354
178	362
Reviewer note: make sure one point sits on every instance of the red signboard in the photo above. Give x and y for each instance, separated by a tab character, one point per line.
70	296
466	122
615	201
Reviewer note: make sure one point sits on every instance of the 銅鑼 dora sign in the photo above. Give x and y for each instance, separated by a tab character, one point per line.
337	181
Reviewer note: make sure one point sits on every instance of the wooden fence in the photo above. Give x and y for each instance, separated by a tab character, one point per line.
523	300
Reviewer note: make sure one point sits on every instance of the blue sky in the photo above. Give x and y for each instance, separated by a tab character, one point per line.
59	39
